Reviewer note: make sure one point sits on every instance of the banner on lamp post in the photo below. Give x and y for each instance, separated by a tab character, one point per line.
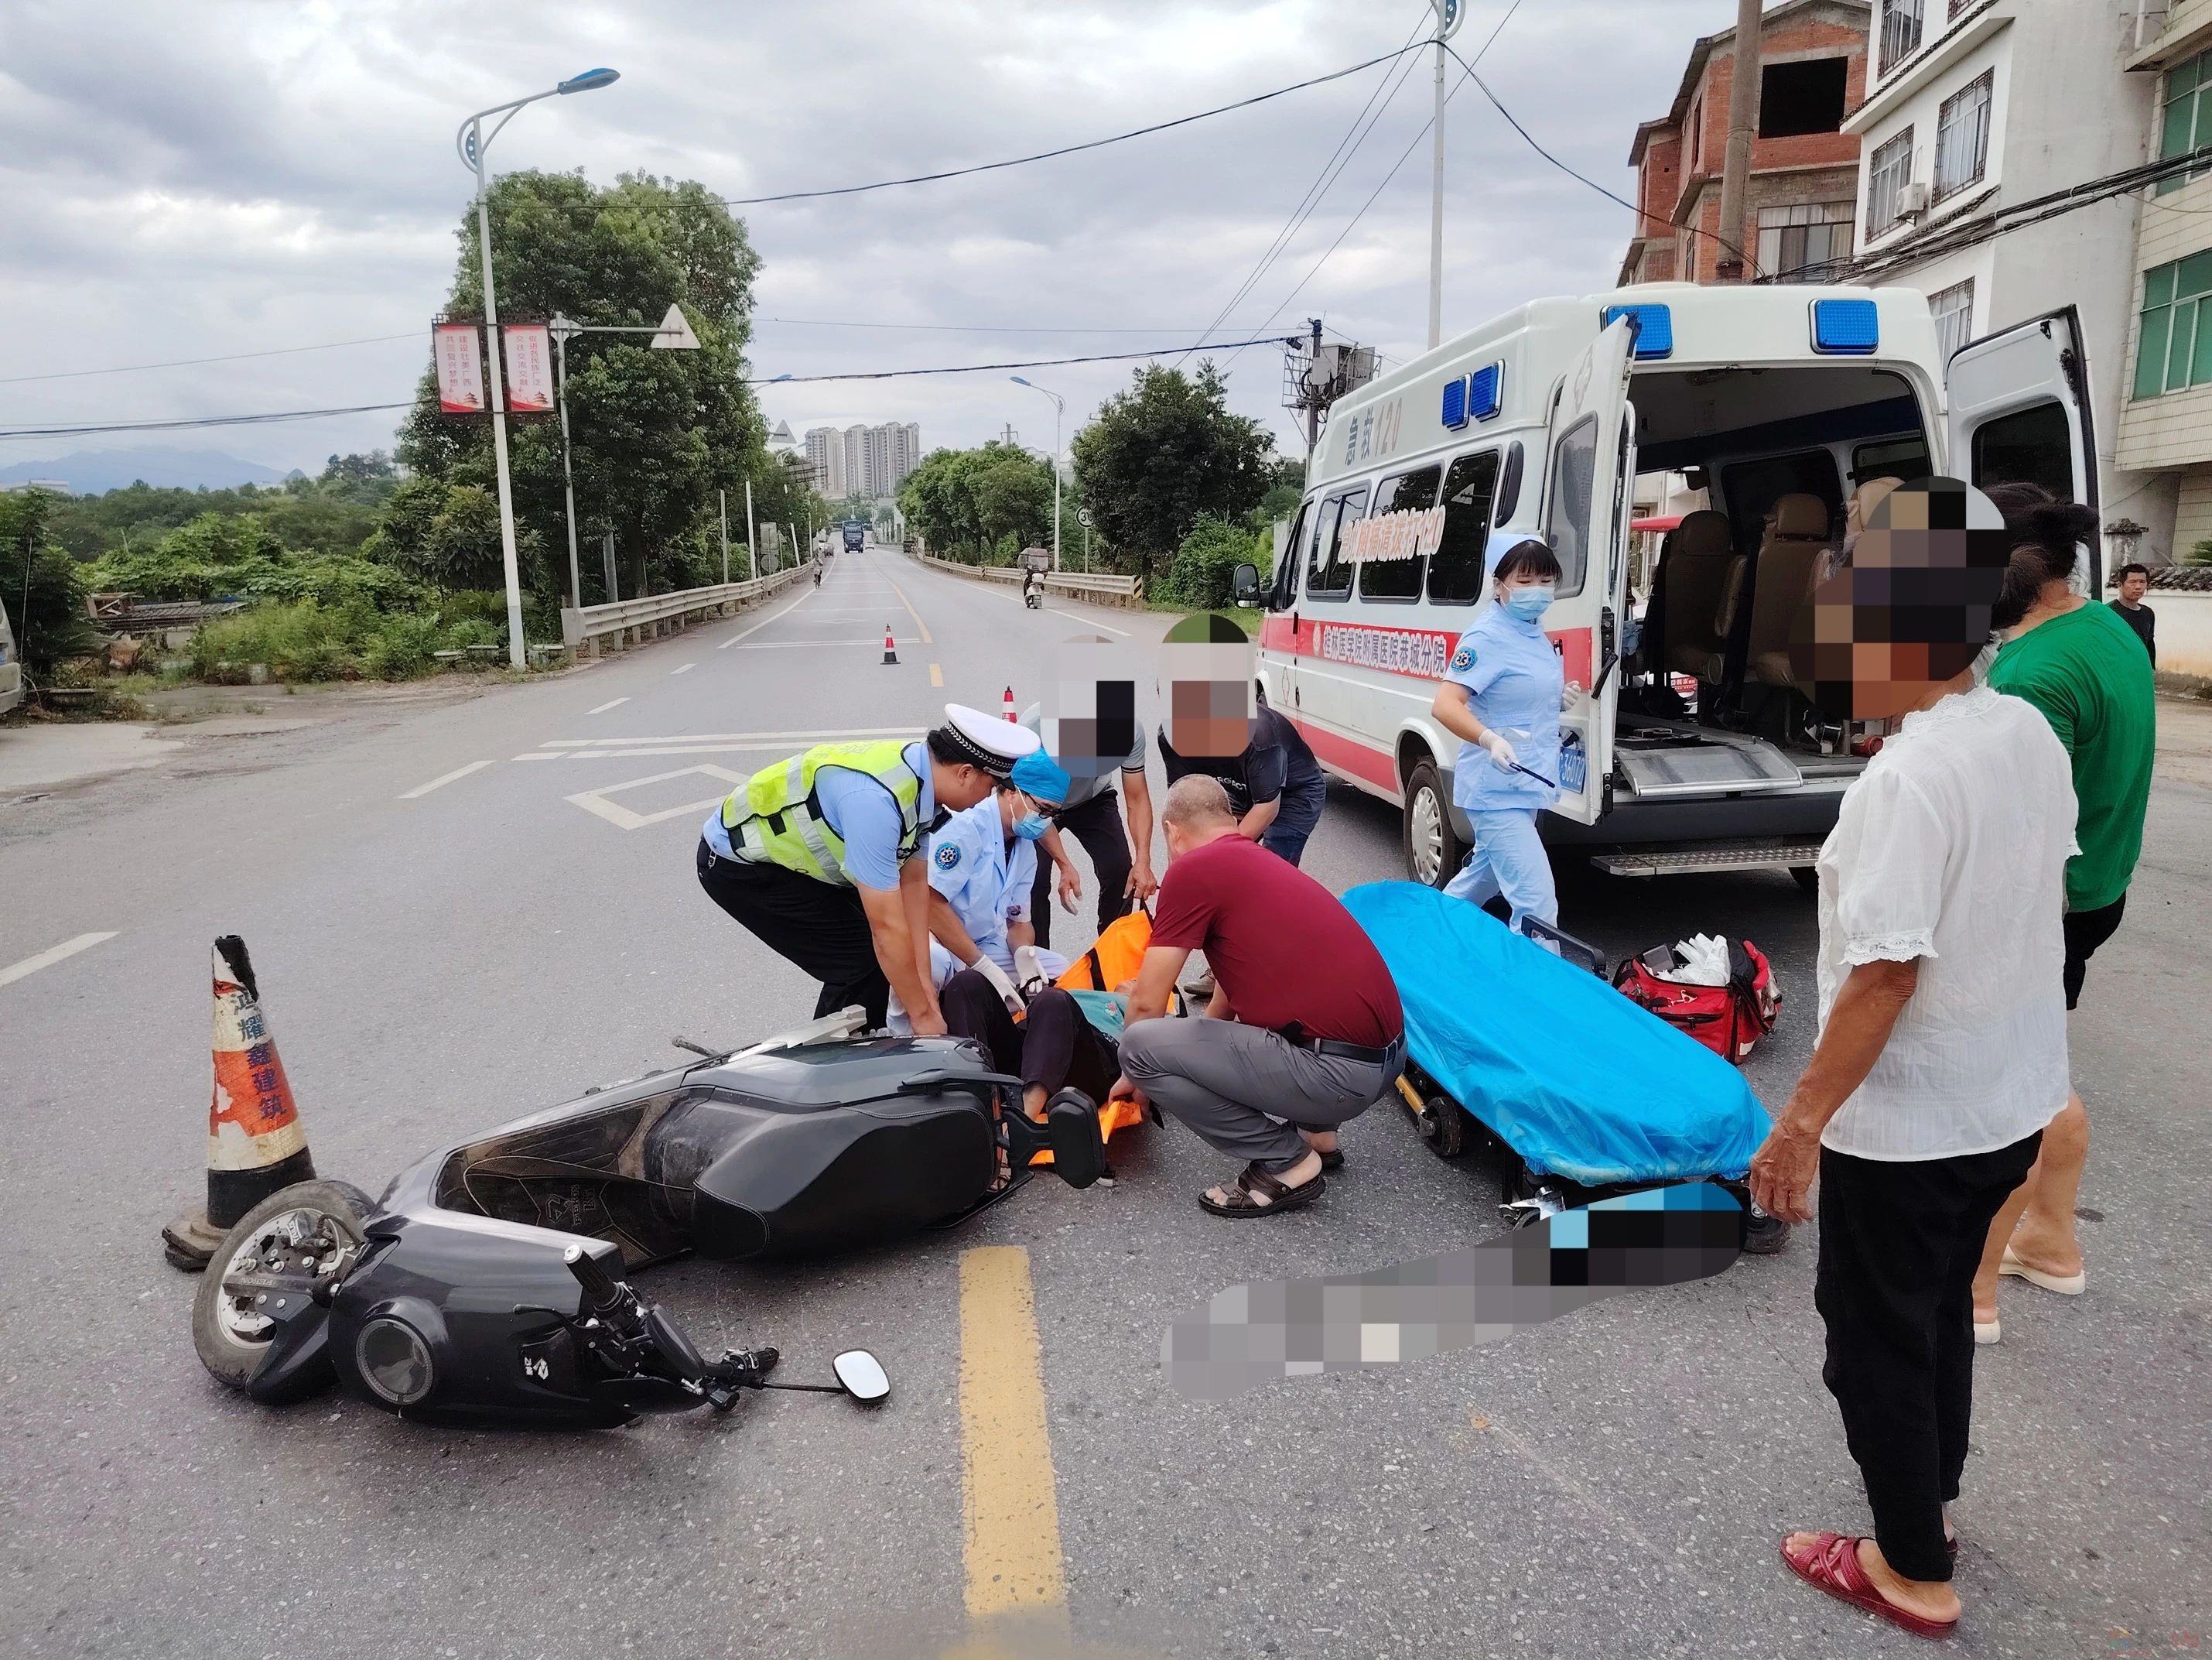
529	369
458	349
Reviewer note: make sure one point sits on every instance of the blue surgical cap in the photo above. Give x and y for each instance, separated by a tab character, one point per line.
1038	774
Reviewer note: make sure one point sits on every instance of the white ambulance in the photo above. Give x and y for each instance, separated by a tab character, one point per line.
1698	752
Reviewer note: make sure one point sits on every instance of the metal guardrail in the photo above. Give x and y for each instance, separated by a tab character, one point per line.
1127	591
657	614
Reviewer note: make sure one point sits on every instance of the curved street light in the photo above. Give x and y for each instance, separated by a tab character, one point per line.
1059	410
471	142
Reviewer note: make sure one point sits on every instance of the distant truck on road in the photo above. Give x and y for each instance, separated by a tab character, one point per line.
856	534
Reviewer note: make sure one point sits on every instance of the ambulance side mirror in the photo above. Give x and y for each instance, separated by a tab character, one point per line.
1244	585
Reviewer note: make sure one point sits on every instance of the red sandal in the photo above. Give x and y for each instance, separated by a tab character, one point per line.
1832	1565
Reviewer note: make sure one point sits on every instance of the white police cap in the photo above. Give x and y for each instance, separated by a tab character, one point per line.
991	742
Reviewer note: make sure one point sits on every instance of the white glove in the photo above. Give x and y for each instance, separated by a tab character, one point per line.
997	975
1500	752
1028	970
1570	695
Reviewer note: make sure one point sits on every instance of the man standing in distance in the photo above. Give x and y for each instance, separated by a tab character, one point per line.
2135	582
821	856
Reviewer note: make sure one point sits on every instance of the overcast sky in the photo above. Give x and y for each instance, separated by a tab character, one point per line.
187	178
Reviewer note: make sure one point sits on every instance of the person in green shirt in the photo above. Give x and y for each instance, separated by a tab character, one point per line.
2083	666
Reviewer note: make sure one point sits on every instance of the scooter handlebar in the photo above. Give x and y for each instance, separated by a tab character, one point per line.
599	1288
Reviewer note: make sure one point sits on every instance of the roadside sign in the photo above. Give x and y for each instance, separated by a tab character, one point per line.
676	332
529	369
458	349
1083	517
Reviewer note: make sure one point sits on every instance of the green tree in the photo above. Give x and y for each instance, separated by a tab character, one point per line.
980	505
44	590
657	434
1160	454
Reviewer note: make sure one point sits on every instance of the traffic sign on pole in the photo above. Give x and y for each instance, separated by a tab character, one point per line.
675	334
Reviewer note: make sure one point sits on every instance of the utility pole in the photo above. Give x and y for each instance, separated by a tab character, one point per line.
559	331
1449	15
724	495
1743	127
752	535
1313	408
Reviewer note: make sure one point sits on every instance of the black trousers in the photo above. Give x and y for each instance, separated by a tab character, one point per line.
1055	1046
818	926
1098	825
2085	930
1899	1243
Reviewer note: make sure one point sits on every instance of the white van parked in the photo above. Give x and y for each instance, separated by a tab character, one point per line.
1775	401
11	668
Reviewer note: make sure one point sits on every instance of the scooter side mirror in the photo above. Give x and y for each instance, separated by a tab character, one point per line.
862	1376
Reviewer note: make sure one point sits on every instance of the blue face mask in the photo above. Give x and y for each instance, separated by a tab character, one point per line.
1529	603
1032	826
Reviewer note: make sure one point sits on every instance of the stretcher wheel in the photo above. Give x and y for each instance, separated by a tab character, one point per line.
1438	1118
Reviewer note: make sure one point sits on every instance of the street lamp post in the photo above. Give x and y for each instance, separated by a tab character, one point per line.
473	141
1449	14
1059	410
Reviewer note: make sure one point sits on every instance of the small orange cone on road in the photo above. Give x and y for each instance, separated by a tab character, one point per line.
255	1143
890	651
1007	707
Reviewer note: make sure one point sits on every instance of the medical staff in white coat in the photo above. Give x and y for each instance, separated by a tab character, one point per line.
1502	698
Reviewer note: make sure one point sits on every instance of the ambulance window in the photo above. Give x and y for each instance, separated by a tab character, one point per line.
1327	577
1904	458
2033	445
1283	585
1574	469
1399	579
1455	572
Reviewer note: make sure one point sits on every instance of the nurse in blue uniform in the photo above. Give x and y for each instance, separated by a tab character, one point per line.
1502	698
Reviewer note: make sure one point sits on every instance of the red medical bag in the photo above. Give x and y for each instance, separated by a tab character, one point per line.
1729	1019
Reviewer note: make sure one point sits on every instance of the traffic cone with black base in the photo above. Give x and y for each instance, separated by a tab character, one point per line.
255	1143
890	651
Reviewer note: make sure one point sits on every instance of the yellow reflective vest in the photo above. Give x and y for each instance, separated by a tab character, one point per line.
773	816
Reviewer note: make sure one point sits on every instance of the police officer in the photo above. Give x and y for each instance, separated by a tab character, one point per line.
1502	697
821	856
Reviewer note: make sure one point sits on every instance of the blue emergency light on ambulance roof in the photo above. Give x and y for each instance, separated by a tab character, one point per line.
1655	328
1845	328
1486	392
1454	408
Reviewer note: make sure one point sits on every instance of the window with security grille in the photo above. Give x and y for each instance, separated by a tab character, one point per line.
1953	309
2174	347
1889	170
1806	237
1900	30
2186	124
1962	137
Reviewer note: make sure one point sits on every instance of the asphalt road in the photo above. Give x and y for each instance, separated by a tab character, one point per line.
465	908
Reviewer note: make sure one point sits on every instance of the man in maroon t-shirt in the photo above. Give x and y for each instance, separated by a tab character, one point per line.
1305	1031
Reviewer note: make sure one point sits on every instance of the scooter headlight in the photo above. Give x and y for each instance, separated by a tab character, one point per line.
394	1361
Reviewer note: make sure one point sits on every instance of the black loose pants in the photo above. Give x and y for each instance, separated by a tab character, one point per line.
818	926
1899	1243
1098	825
1053	1046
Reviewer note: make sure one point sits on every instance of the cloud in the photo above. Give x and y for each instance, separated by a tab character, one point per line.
227	175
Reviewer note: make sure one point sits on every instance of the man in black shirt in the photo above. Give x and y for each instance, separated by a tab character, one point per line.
1275	784
2135	582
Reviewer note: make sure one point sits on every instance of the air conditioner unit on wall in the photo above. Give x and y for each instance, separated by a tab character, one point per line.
1912	201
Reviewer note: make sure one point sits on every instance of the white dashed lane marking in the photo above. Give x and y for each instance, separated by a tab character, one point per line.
439	783
611	703
47	958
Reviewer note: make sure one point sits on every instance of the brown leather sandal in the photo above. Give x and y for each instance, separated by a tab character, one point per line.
1258	1192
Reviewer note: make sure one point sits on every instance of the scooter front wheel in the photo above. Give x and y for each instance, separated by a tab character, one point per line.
275	1253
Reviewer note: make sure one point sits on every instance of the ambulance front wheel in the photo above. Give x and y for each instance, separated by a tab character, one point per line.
1434	852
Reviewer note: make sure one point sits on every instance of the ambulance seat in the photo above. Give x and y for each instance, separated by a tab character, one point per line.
1789	560
1704	575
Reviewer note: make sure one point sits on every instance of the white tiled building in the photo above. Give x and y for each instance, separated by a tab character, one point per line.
2164	432
1973	105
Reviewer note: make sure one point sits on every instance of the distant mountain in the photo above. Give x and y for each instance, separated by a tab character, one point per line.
92	472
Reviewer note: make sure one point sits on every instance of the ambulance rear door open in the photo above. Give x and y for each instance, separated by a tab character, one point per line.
2019	410
1589	468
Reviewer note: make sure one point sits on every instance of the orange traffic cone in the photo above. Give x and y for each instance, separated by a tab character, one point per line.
255	1143
890	651
1007	707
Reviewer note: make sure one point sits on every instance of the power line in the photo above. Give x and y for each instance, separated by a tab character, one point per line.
1338	159
90	428
979	328
227	357
1065	149
1026	363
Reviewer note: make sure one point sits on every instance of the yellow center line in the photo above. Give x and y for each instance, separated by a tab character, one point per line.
921	627
1013	1512
936	674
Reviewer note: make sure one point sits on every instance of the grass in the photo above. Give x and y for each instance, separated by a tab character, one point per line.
308	641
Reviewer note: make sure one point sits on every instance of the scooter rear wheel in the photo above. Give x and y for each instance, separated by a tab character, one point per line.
295	1232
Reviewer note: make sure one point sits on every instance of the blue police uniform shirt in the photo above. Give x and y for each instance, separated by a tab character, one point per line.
864	814
986	882
1514	680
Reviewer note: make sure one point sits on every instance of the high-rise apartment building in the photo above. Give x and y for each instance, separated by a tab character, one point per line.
825	456
871	462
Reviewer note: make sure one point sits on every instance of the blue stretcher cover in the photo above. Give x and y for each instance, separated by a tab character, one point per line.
1572	1076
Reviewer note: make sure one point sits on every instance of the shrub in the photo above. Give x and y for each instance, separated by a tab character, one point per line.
1198	577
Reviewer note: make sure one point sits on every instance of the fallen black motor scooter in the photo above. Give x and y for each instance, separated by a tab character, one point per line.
487	1287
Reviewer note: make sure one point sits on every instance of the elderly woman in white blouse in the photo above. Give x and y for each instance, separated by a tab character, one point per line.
1942	1053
